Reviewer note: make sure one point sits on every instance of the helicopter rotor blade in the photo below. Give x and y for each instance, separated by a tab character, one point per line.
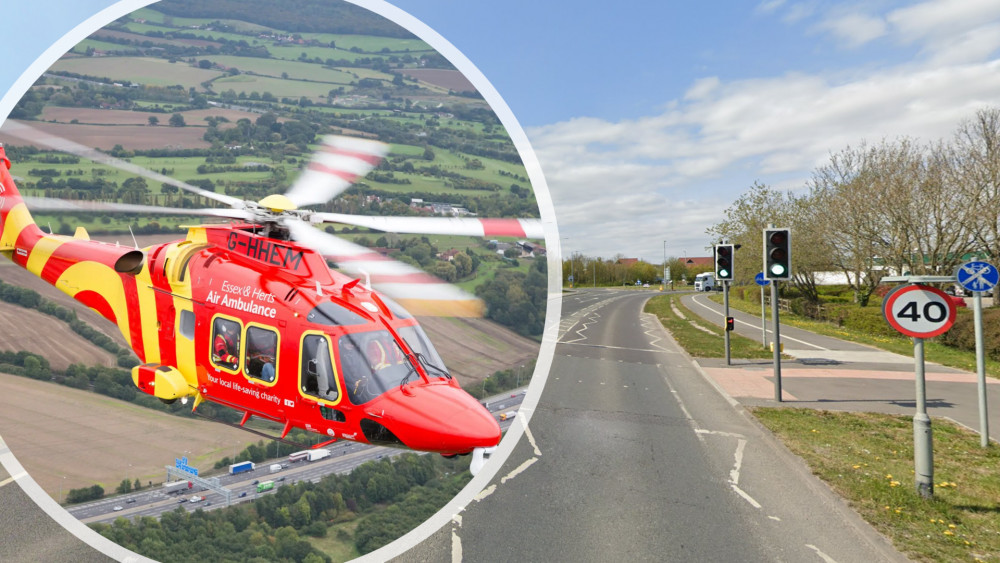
83	206
467	226
335	167
419	292
33	135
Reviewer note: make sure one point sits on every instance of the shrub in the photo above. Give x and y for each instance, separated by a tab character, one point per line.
963	334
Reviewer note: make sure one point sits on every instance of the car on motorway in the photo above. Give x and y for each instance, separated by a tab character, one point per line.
243	494
118	508
130	501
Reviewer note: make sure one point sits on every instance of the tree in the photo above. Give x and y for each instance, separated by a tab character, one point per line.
153	120
177	120
976	159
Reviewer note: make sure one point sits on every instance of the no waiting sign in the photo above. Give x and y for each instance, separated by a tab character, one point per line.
919	311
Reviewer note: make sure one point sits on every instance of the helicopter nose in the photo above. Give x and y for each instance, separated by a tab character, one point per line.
436	417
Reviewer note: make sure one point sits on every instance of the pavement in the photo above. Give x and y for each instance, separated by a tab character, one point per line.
833	374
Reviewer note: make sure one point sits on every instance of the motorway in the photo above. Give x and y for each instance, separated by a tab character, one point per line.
634	455
345	456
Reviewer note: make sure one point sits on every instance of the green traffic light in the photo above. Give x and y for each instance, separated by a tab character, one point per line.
777	269
723	273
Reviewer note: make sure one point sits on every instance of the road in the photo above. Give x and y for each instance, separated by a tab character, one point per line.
634	455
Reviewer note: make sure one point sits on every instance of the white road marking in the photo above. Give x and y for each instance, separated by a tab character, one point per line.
822	555
745	496
13	478
456	541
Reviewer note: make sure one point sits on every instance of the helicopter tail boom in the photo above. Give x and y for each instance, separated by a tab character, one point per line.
99	275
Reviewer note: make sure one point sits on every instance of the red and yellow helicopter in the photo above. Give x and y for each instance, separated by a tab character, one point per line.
247	314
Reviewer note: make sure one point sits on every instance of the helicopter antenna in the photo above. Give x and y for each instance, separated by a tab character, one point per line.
368	280
319	289
133	236
50	227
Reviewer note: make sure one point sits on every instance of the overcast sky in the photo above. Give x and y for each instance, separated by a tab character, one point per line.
650	118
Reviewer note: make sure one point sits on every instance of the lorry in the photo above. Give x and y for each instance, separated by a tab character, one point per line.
316	455
507	415
176	487
274	468
704	282
298	456
241	467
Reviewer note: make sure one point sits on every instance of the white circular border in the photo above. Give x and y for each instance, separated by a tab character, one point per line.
552	244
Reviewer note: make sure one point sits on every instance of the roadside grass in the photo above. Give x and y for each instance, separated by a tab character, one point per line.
933	351
700	338
868	459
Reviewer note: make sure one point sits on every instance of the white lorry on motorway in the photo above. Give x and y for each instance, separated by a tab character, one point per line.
704	282
316	455
275	467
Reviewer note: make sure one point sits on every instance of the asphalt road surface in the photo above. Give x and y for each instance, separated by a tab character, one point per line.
633	455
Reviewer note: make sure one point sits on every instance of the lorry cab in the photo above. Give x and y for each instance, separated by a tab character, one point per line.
704	282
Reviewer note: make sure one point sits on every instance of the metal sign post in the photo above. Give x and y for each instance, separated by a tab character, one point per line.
921	312
978	277
725	315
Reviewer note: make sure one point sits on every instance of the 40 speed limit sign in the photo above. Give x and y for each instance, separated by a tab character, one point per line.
919	311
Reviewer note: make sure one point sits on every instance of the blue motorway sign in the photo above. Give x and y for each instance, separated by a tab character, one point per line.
759	278
977	276
182	464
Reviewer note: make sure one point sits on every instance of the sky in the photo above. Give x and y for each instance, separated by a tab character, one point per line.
650	118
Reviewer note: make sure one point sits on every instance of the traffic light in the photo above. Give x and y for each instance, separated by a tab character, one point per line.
777	254
724	262
730	323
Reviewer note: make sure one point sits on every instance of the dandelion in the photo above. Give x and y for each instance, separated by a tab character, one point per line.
888	476
952	526
856	466
949	533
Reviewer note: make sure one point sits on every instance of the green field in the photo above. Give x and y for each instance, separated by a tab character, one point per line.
143	70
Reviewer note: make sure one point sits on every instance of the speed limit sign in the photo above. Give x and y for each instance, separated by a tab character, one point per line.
919	311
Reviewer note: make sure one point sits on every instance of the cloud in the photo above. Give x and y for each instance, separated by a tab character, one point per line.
855	29
675	172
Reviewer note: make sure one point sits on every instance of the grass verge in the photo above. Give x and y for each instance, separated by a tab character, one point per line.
700	338
868	459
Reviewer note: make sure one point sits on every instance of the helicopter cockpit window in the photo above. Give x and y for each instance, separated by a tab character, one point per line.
418	342
316	373
226	343
372	363
262	346
331	314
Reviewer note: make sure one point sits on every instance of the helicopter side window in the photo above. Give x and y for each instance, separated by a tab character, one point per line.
225	343
316	372
262	353
372	363
187	324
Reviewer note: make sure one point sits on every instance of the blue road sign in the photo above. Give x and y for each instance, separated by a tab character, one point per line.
759	278
977	276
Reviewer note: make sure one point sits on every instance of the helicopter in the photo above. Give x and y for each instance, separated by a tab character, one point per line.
248	314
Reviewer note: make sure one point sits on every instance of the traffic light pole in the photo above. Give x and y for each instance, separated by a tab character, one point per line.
776	341
725	317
